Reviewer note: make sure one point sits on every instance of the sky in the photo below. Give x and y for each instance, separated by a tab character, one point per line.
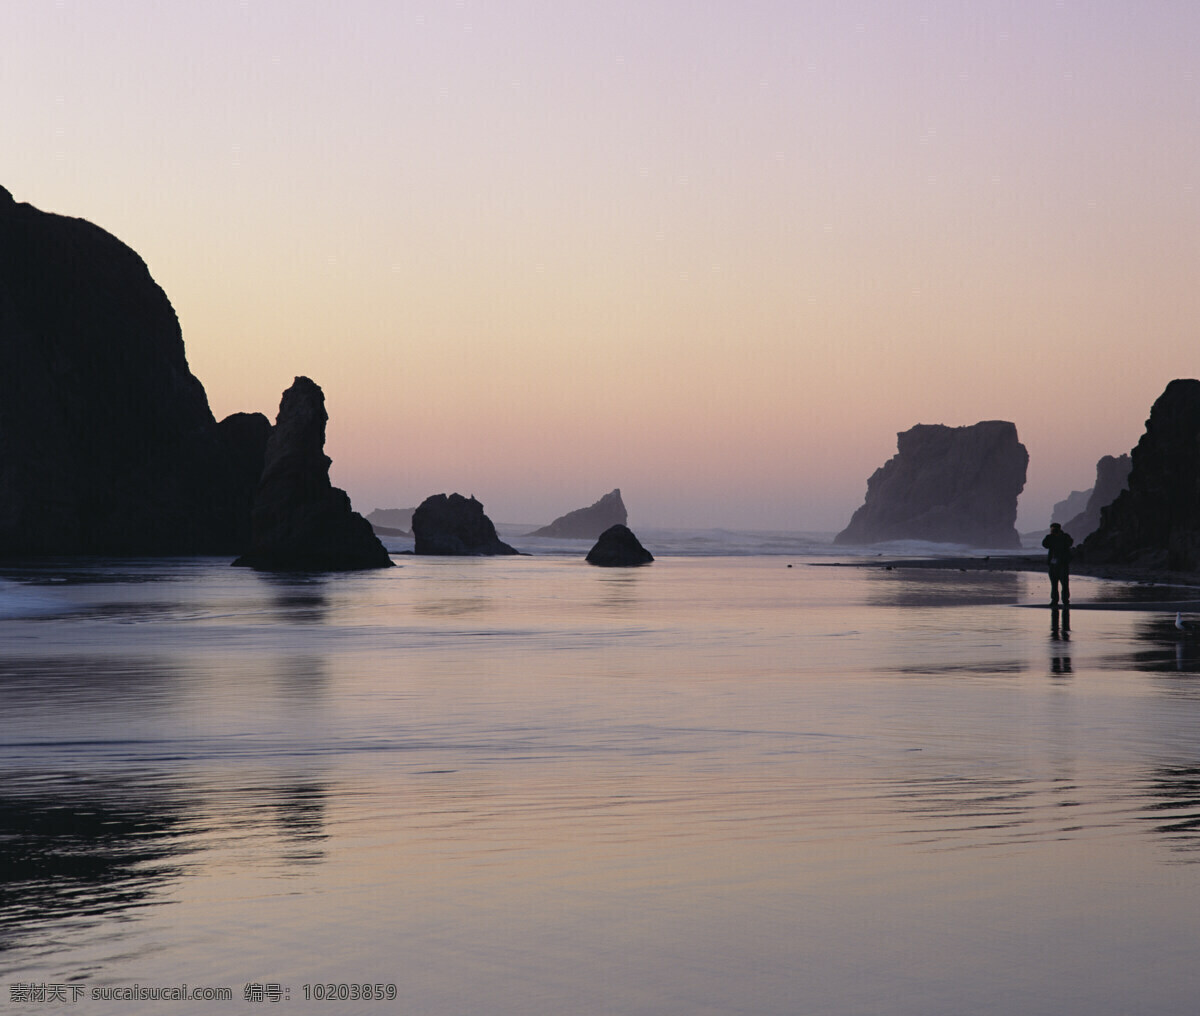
716	254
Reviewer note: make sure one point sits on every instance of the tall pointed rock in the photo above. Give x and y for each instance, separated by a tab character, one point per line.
300	521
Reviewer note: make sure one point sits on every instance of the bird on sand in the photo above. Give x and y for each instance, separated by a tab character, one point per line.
1179	621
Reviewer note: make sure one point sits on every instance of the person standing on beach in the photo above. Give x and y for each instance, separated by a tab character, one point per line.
1058	559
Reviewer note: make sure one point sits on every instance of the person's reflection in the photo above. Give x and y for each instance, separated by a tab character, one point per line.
1060	642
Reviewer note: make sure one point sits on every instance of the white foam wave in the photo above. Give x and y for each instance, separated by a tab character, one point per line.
17	600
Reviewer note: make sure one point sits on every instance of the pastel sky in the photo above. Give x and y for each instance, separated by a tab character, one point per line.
714	253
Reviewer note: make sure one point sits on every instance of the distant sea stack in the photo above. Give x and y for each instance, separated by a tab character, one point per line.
1112	473
453	525
391	521
588	523
1155	521
618	548
946	485
107	442
300	520
1070	506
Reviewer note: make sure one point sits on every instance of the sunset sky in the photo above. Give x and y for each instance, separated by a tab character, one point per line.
714	254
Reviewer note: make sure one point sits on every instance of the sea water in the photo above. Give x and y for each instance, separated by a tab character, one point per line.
720	784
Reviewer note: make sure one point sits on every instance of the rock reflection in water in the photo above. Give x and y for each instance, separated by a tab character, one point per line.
1166	647
299	598
82	848
1174	808
620	588
78	852
299	816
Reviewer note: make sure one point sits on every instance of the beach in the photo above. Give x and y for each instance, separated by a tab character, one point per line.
1131	586
718	784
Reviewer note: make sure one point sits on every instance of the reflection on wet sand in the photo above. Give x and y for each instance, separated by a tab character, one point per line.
1167	648
958	811
299	815
456	606
1174	808
1060	642
941	589
81	851
619	587
299	598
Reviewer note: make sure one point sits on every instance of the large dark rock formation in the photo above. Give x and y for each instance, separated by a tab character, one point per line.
107	442
1112	473
1073	504
588	523
618	548
300	520
455	525
948	485
1155	521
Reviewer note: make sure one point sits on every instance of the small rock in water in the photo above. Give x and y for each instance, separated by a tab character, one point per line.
618	548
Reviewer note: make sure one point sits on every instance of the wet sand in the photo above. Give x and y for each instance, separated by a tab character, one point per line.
1139	588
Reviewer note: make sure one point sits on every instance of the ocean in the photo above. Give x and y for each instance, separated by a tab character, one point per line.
735	781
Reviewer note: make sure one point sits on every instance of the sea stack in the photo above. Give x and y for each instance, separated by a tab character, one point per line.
453	525
1155	521
1112	473
107	442
301	522
618	548
392	521
946	485
588	523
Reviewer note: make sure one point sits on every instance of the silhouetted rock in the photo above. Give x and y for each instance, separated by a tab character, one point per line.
1070	506
245	436
948	485
392	521
107	442
300	520
618	548
588	523
1112	473
455	525
1155	521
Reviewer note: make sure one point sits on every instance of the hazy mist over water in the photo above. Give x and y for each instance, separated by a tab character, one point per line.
715	784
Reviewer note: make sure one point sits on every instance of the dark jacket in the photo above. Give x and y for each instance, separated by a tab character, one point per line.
1058	544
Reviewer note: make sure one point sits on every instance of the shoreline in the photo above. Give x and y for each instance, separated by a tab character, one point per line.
1143	578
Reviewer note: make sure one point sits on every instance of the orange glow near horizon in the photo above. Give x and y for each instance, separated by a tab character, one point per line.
716	258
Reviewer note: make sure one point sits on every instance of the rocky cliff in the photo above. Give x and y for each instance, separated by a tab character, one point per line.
946	484
1112	473
450	524
107	442
300	520
1155	521
1073	504
588	523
